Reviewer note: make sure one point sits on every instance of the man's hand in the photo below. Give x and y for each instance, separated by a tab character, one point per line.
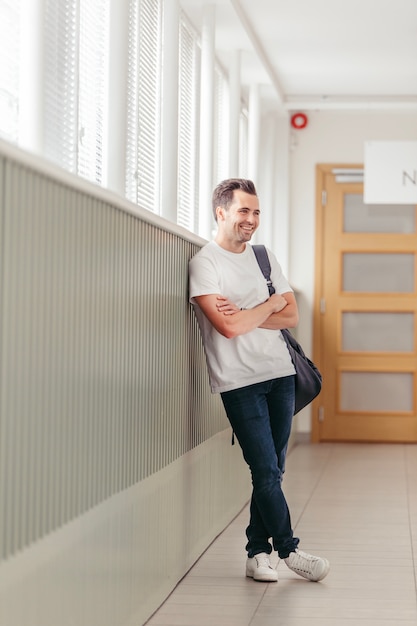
225	306
279	302
285	317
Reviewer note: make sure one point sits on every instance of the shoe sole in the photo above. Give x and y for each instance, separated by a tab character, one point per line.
265	579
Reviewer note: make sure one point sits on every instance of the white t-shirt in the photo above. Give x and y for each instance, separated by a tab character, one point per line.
256	356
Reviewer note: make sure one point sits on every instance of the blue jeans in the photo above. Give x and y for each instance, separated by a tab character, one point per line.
261	417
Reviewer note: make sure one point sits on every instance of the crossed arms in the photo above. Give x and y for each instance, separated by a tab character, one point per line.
278	311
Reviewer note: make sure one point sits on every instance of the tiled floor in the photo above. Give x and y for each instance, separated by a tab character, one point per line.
355	504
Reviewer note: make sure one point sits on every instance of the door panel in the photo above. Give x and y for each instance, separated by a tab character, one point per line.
377	332
365	338
376	218
378	272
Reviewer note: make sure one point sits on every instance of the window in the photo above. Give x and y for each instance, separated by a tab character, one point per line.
188	126
9	69
54	96
144	96
76	45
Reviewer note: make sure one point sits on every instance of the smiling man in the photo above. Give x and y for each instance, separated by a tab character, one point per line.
250	366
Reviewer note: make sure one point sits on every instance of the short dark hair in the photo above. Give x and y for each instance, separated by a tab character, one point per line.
223	193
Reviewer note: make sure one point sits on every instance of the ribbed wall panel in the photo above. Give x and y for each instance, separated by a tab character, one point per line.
103	380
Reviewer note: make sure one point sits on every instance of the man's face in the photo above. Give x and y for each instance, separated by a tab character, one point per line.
240	221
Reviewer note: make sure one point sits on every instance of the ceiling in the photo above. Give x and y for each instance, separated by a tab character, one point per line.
319	54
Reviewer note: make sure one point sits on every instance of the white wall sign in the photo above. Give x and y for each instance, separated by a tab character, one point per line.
390	175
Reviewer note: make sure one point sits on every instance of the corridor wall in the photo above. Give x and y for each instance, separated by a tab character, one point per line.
116	465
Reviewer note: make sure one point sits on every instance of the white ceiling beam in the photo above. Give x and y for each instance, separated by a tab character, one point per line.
259	49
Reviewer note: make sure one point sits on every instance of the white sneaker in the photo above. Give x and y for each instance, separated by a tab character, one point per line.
308	566
259	568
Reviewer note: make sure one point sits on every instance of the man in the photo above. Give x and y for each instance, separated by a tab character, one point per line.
250	366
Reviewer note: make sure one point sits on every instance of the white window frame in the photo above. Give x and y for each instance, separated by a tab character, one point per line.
221	125
243	142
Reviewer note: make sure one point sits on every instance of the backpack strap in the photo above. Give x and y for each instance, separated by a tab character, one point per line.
263	262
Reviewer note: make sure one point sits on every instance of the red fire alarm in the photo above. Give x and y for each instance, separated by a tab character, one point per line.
299	120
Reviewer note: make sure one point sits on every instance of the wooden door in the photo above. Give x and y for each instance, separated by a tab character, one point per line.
365	338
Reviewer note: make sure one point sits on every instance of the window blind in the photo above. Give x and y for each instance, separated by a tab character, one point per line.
188	111
60	84
144	106
9	69
92	103
76	35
